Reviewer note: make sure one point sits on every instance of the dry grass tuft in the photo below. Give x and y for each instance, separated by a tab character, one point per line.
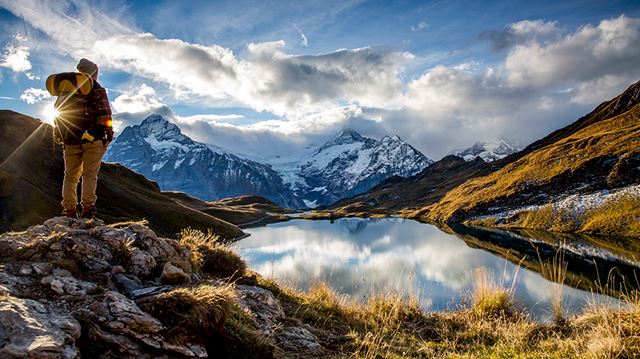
211	256
196	311
556	272
221	260
490	298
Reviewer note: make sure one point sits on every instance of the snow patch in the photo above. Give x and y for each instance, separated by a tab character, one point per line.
310	204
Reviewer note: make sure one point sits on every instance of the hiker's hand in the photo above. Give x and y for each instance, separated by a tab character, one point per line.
109	133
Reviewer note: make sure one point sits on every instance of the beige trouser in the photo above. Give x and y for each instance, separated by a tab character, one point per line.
81	161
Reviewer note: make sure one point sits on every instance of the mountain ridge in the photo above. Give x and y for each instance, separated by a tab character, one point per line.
344	165
157	149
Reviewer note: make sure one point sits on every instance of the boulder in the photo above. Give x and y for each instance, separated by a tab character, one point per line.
174	275
29	330
264	308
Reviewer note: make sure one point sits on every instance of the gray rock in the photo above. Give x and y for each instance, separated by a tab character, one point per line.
42	268
29	330
130	284
25	270
145	292
8	283
174	275
65	283
117	323
264	308
298	338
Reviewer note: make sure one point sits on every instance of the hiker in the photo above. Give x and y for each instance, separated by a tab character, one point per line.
84	128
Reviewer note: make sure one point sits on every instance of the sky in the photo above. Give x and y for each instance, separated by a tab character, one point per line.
268	78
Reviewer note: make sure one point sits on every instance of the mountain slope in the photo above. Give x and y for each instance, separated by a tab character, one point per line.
347	165
31	171
401	194
587	179
157	149
591	164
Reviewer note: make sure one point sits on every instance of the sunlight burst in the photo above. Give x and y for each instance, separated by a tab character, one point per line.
49	113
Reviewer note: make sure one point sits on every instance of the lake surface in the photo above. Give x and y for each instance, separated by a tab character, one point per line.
361	257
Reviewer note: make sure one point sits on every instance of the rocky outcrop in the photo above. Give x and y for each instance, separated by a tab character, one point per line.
72	288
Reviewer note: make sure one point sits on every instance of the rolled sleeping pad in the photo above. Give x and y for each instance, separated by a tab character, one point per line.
69	83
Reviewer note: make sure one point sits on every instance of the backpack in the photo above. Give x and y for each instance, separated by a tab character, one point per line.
73	117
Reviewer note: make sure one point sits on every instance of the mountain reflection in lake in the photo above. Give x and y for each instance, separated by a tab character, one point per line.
360	257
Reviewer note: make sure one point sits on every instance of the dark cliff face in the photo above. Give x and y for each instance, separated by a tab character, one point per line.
157	149
31	180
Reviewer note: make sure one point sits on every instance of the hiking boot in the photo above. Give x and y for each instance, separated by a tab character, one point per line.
72	213
89	213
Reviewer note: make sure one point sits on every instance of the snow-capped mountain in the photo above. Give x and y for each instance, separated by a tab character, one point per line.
488	151
157	149
347	165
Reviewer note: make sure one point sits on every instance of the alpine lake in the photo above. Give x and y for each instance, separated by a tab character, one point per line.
360	258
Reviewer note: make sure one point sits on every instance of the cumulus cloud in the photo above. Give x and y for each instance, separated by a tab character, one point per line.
593	51
520	32
286	84
15	58
34	95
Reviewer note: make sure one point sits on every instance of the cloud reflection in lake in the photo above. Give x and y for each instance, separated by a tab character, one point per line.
360	257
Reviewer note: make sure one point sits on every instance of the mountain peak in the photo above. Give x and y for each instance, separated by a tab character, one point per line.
159	127
153	118
350	133
488	151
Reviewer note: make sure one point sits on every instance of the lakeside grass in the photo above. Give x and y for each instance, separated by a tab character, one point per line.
390	326
490	325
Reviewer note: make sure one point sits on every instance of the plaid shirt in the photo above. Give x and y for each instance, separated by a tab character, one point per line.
99	105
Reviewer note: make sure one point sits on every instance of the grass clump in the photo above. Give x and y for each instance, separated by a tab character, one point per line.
210	255
555	271
490	299
196	311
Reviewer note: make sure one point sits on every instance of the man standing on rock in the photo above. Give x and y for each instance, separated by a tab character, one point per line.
84	127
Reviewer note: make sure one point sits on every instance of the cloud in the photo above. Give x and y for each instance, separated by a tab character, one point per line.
520	32
133	106
544	77
303	38
54	18
270	80
420	26
34	95
589	53
15	58
527	27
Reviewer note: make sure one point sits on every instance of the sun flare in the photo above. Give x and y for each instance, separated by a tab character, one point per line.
49	113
